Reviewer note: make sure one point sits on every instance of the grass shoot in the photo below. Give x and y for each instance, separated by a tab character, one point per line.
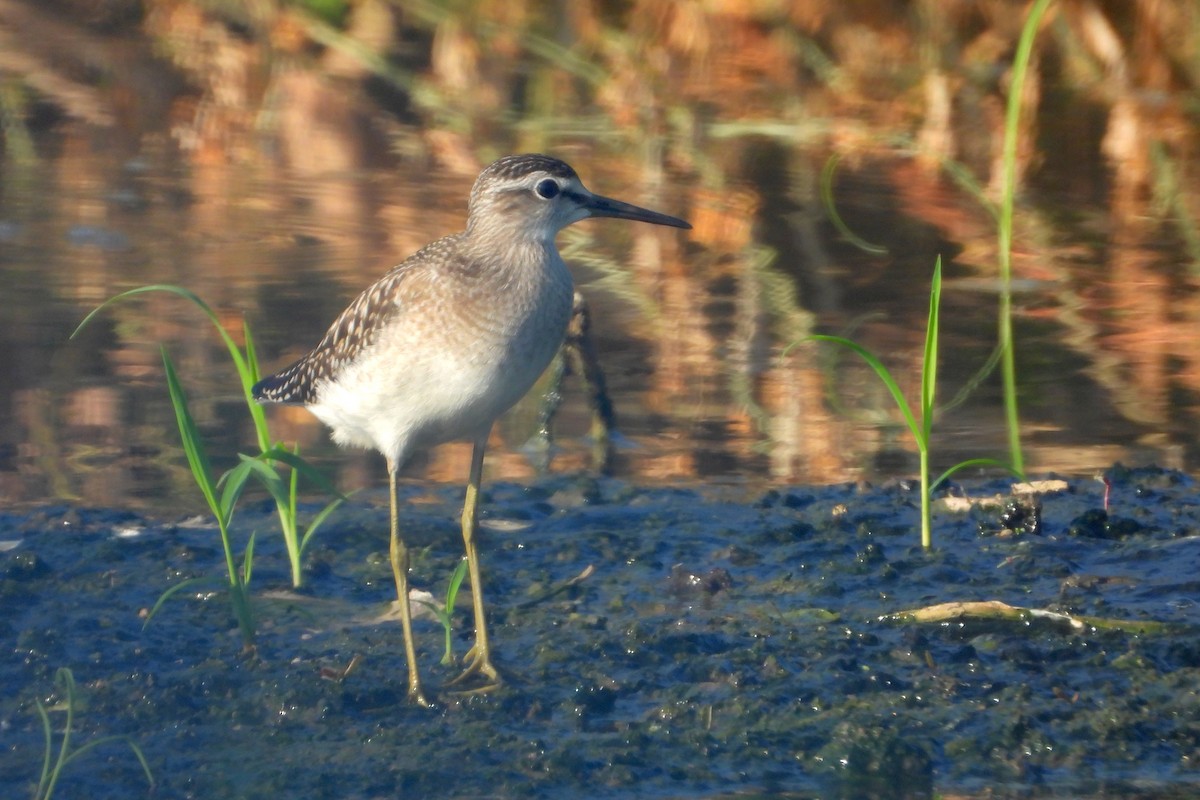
52	765
222	494
1012	130
921	427
445	613
221	500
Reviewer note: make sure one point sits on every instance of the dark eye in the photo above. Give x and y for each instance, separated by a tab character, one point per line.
546	189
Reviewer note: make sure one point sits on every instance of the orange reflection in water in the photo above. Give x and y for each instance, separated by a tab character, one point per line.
276	175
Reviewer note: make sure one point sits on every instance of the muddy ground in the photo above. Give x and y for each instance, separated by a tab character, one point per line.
726	642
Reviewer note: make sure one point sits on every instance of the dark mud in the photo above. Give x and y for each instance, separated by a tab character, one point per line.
727	643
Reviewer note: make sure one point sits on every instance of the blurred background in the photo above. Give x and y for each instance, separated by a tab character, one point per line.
276	157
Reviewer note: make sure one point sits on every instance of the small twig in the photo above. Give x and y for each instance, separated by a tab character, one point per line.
560	588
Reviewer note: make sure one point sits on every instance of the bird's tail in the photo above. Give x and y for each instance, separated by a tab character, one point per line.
291	386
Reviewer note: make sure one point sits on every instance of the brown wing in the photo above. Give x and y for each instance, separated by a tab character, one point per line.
352	332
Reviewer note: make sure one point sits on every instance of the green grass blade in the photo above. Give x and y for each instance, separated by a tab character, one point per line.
162	598
189	435
65	679
460	572
307	470
961	174
232	483
141	757
247	368
186	294
49	777
267	475
290	527
103	740
248	559
445	613
249	378
1012	130
434	609
48	732
251	354
456	581
885	376
157	287
929	365
321	516
239	598
973	462
447	631
222	507
443	616
293	488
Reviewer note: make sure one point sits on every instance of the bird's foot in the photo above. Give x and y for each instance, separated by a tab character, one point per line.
416	696
479	665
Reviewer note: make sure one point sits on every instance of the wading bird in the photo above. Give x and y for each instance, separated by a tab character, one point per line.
447	341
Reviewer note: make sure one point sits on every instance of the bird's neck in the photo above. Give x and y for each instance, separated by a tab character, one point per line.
514	248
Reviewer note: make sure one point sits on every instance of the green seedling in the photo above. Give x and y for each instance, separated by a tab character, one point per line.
285	493
264	466
922	428
52	767
221	497
1012	121
445	613
1002	212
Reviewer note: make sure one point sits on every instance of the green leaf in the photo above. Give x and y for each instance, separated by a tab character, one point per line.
169	593
247	369
269	477
47	753
316	521
248	559
249	378
929	365
239	597
132	292
141	757
293	488
973	462
885	376
189	435
232	483
251	355
105	740
456	580
307	470
65	681
435	609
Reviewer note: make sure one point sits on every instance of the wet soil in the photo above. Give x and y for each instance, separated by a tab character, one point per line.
727	642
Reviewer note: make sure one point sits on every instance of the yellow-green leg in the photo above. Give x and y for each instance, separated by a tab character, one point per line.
399	558
479	657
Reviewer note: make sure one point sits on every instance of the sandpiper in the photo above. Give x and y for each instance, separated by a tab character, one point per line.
450	339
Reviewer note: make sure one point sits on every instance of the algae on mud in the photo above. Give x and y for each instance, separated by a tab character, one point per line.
720	646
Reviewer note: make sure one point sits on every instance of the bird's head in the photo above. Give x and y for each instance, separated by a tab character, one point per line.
542	195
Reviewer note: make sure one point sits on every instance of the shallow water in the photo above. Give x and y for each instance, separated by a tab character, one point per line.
724	645
281	225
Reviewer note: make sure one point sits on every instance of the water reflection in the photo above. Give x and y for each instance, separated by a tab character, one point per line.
276	188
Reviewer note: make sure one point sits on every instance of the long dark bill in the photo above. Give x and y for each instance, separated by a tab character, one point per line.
600	206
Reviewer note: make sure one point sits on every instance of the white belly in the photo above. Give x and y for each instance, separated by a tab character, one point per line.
429	380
